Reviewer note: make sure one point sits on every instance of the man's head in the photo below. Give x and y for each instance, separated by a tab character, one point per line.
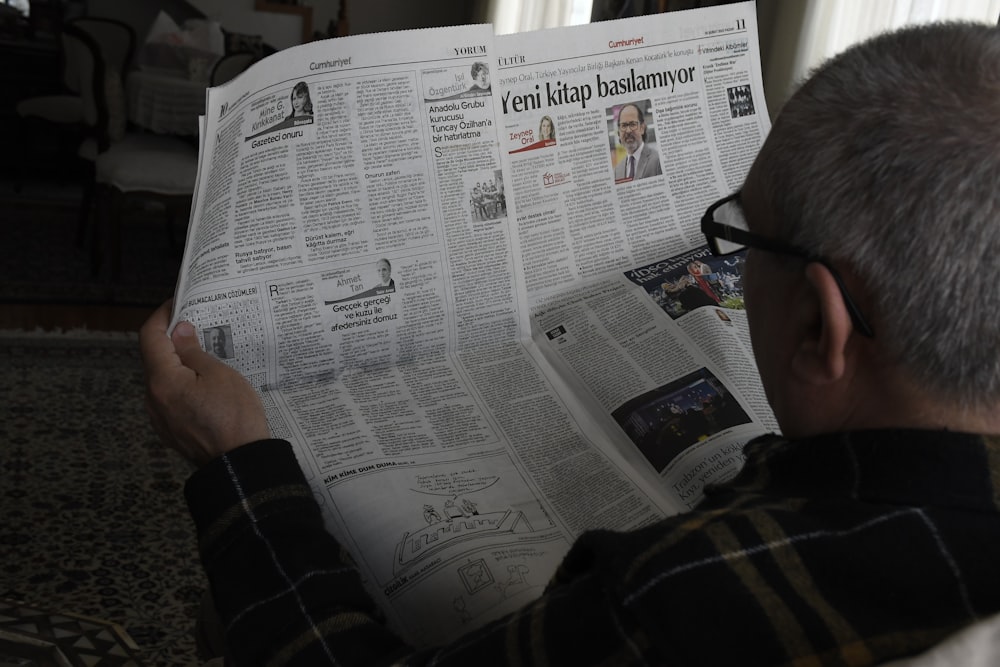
384	269
885	163
631	127
217	340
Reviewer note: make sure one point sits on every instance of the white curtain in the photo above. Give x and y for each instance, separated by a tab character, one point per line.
830	26
509	16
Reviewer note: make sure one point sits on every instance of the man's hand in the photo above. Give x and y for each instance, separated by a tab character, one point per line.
199	406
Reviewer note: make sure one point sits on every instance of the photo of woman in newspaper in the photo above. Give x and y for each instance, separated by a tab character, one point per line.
301	113
529	140
669	419
480	75
547	130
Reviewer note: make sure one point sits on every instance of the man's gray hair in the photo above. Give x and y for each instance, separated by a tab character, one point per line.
887	160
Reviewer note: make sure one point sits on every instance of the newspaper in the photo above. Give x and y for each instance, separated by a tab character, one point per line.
483	337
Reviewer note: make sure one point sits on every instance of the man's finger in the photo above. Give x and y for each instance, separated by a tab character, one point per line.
189	350
154	343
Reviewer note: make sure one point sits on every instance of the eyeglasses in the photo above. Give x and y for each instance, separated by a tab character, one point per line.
725	227
629	125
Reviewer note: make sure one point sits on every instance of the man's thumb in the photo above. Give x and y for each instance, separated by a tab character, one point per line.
188	348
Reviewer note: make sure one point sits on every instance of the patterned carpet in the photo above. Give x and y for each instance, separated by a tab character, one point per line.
40	261
45	638
94	521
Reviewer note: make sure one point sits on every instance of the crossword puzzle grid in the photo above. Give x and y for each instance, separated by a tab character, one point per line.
246	321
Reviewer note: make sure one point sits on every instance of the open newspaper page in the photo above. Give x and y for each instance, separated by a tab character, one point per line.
350	252
618	136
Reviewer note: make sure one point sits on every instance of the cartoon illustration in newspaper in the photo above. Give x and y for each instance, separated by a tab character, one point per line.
457	518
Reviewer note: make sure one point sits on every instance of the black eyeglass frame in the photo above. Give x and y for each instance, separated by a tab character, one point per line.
715	230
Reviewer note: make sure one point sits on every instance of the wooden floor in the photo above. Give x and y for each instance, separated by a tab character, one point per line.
54	317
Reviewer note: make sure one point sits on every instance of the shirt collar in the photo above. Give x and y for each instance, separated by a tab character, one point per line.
896	466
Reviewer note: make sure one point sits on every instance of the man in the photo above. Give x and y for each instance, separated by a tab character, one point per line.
868	531
217	342
641	159
386	283
478	201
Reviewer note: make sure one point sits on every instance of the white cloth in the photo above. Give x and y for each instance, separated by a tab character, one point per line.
976	646
165	104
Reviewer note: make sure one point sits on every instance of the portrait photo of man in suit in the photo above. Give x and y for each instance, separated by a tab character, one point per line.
641	159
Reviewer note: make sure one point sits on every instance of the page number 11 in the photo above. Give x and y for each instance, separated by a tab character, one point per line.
741	24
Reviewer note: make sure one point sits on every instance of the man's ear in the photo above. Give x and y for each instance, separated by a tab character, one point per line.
820	356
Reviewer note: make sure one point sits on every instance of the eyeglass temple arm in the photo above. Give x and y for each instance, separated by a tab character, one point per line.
742	237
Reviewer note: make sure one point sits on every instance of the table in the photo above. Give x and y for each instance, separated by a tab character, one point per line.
163	103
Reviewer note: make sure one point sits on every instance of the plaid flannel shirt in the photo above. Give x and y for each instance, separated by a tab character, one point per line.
845	549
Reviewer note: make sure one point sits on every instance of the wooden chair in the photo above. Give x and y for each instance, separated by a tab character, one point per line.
101	49
127	163
63	110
